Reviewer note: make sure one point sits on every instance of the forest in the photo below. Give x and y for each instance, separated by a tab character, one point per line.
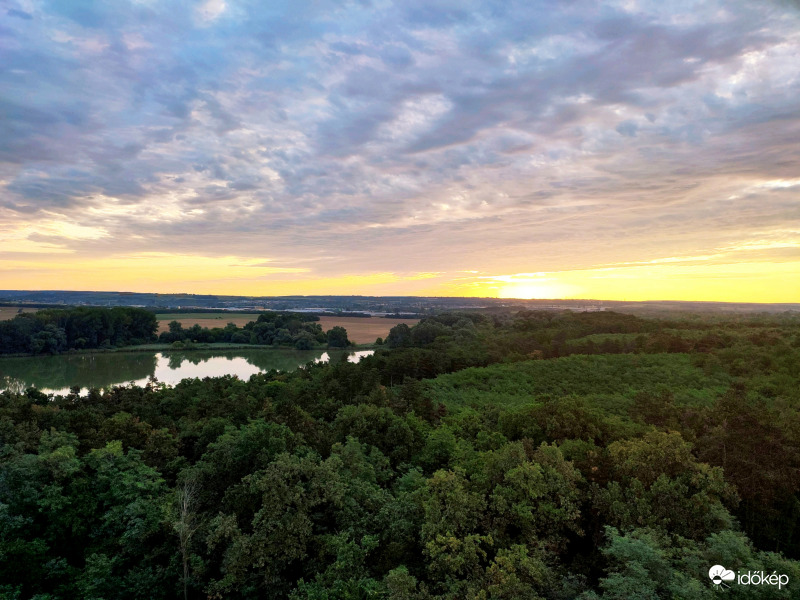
282	329
52	331
55	330
535	455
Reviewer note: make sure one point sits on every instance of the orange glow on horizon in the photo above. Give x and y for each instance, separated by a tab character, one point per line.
744	282
768	282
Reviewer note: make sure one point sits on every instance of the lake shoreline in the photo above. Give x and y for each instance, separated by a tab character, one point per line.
194	347
102	370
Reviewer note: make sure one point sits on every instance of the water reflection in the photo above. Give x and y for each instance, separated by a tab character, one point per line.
57	374
84	370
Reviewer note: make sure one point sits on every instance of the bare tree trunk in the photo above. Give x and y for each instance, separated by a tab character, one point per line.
185	525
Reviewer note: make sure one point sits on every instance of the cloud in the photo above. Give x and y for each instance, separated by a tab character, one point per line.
20	14
414	136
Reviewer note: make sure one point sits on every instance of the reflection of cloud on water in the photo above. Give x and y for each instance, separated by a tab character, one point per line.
173	368
213	366
352	357
57	374
13	385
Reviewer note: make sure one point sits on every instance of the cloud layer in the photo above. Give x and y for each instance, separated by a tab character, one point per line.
333	139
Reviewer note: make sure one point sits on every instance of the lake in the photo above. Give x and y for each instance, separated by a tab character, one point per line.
57	374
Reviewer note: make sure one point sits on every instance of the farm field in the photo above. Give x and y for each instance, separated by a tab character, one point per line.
364	331
209	320
9	312
359	330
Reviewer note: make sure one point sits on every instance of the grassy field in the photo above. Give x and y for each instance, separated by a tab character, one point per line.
9	312
611	381
209	320
359	330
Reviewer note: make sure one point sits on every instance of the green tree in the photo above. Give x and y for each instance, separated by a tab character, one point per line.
304	341
399	336
289	496
337	337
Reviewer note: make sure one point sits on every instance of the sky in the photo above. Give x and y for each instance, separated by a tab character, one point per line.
621	150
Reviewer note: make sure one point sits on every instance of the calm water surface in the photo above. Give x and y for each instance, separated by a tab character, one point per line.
57	374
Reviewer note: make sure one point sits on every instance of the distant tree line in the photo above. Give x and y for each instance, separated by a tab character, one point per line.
53	331
300	331
452	341
56	330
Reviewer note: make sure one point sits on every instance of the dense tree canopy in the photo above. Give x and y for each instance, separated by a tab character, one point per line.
529	455
270	329
51	331
55	330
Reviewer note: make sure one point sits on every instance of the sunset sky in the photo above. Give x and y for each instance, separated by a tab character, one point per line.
617	150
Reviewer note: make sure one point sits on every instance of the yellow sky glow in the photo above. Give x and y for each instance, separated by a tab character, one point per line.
173	273
742	282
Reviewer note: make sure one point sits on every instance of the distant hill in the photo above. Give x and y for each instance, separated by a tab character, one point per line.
375	305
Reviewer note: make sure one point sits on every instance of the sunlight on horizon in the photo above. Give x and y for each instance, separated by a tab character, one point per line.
769	282
743	282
